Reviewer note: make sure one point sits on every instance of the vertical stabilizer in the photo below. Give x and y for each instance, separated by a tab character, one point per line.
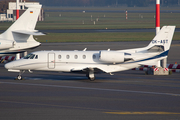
163	38
23	28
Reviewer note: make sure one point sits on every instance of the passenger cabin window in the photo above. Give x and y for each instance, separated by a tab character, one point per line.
84	56
67	56
59	56
75	56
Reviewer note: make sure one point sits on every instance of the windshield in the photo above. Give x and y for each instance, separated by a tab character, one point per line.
30	56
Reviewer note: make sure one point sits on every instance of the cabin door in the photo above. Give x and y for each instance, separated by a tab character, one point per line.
51	60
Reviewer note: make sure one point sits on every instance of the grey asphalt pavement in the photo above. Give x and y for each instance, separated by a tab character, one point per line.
127	95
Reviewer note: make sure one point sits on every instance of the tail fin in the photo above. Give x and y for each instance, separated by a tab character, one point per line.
163	39
22	28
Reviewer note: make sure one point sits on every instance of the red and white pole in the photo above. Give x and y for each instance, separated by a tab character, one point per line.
126	15
158	23
17	9
157	16
17	16
164	61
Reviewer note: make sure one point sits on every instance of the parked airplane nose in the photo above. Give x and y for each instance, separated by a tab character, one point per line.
8	65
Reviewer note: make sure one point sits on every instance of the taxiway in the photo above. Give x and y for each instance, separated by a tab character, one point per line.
129	95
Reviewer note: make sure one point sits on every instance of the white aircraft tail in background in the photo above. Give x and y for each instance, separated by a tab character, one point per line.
19	36
91	62
163	38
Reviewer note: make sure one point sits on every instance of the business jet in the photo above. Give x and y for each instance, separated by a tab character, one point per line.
19	36
92	62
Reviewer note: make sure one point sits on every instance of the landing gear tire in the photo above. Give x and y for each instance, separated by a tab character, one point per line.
92	79
90	76
19	77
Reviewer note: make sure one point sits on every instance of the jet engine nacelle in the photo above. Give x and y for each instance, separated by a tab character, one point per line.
5	44
111	56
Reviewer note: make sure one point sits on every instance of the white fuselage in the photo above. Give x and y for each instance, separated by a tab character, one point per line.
16	47
90	62
69	61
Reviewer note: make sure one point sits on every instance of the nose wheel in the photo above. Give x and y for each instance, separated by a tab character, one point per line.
19	77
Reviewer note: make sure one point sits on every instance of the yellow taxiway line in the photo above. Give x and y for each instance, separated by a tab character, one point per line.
143	113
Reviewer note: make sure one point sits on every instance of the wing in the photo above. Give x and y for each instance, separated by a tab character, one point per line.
86	70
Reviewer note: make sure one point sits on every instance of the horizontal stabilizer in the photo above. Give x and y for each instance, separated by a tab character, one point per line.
35	32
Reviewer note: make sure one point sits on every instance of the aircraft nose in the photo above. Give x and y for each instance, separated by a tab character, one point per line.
8	65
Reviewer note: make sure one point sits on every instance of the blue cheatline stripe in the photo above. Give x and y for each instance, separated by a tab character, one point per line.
155	57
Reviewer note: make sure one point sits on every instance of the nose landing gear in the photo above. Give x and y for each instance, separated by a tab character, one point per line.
19	77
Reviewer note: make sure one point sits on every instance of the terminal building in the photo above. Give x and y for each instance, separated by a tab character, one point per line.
11	11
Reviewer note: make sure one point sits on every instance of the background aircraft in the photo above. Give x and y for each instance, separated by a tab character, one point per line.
91	62
19	36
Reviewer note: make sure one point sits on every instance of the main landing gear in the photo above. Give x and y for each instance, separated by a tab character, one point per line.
19	77
90	74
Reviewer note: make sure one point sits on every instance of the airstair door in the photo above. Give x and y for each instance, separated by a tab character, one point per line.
51	60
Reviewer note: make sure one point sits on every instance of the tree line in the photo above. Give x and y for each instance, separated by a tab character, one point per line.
129	3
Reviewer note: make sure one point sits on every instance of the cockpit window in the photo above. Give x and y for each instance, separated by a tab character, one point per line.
36	57
30	56
27	56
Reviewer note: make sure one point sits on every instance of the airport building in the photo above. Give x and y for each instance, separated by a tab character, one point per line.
11	11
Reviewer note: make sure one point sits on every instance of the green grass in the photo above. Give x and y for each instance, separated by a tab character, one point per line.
5	25
75	20
111	8
70	20
99	37
106	20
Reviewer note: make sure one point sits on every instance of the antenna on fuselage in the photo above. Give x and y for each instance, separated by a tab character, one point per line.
85	49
